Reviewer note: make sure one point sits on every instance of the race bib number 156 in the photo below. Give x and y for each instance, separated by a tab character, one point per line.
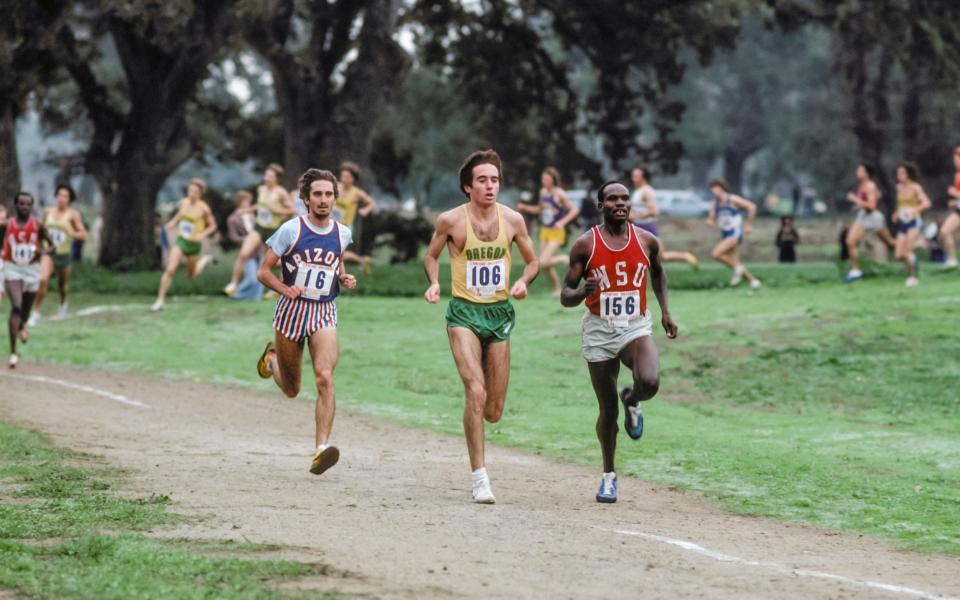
486	277
619	308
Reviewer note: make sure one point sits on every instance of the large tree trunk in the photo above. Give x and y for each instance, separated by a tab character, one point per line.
9	164
128	208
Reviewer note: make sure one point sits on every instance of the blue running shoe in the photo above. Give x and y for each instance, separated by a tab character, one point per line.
607	493
632	416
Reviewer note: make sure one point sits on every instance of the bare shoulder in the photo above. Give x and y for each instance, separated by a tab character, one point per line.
583	243
647	239
514	219
449	219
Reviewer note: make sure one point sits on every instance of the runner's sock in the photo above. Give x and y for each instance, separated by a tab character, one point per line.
479	475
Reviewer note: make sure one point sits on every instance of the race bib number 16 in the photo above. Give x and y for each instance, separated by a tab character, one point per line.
486	277
619	308
316	281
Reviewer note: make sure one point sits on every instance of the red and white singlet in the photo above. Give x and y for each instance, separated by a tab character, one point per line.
622	294
21	242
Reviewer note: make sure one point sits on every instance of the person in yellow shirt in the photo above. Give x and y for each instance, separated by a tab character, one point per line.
911	202
65	225
479	236
194	222
353	202
272	209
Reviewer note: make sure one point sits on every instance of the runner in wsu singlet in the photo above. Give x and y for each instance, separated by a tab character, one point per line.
614	260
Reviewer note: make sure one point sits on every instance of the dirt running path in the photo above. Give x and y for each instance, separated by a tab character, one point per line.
394	518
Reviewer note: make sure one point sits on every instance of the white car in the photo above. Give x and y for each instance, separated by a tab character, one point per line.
681	203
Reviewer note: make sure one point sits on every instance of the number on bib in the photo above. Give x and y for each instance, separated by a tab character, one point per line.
486	277
619	308
728	222
264	216
186	230
316	281
23	253
58	236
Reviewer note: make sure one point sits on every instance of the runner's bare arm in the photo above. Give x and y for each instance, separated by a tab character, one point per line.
571	294
750	207
925	202
522	238
211	224
712	214
431	265
369	204
266	277
45	237
573	209
649	201
286	203
79	230
346	279
658	281
531	209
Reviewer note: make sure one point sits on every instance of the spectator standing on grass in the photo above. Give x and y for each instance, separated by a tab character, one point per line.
239	224
787	239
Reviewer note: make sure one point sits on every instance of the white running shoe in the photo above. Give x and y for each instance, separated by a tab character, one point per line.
157	306
482	494
14	359
230	290
737	276
912	282
950	264
34	319
756	284
62	313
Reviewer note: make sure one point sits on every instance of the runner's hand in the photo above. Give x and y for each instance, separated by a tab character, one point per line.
348	281
519	290
590	285
669	326
747	227
293	292
709	222
432	295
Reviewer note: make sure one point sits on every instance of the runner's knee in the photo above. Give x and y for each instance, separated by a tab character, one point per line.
493	411
476	396
324	379
717	253
646	385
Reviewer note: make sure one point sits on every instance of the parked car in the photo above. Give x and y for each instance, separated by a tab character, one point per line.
682	203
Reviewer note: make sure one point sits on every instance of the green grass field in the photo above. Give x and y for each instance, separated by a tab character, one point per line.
64	534
819	403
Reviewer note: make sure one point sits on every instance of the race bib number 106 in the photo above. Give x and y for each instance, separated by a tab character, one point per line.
486	277
619	308
316	281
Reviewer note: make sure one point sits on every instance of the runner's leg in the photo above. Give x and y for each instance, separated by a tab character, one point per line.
468	355
248	248
547	250
496	377
46	271
63	283
16	320
726	252
902	253
950	226
192	263
854	235
603	376
324	352
286	362
167	278
643	359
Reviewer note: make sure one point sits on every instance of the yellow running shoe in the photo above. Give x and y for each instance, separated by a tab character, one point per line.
263	365
692	260
231	290
324	458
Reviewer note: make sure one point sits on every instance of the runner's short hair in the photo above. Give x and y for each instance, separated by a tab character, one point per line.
199	183
353	168
913	172
870	169
70	192
605	185
721	183
646	173
240	196
276	168
480	157
553	173
312	175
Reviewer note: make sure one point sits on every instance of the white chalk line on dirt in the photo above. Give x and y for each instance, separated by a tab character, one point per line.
79	387
780	568
105	308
